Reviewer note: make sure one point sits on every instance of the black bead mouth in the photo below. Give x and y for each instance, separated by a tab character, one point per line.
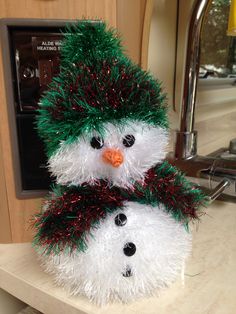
127	273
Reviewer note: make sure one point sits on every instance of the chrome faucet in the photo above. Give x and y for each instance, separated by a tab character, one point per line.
211	172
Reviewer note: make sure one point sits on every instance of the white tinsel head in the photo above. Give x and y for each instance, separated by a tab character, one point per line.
137	146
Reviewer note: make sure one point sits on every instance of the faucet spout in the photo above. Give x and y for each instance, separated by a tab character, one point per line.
186	139
211	172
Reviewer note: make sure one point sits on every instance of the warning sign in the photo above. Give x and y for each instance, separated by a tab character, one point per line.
46	45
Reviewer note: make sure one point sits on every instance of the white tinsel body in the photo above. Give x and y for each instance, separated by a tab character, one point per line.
162	245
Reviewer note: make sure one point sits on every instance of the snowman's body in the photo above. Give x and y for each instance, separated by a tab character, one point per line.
115	227
137	248
134	252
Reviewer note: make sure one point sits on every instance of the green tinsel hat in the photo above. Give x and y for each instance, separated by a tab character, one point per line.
97	83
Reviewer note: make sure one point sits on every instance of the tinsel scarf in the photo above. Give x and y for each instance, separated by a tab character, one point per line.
75	210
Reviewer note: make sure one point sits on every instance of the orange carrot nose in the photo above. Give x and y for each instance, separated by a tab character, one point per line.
113	157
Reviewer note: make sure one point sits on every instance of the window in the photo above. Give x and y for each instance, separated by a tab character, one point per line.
218	51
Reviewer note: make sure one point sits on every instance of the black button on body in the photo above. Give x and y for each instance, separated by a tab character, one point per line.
129	249
120	220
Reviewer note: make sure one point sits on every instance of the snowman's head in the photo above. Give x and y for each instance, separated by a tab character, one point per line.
120	154
102	117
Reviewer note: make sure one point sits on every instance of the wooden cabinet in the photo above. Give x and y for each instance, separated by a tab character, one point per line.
130	19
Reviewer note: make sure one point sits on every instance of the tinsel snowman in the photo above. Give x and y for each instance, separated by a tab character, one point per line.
115	226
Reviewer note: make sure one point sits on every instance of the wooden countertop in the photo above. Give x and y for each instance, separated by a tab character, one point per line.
208	286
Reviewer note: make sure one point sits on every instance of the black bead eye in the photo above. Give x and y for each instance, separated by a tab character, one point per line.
128	140
97	142
120	220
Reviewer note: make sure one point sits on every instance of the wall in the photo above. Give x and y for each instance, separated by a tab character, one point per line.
130	22
162	51
162	42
